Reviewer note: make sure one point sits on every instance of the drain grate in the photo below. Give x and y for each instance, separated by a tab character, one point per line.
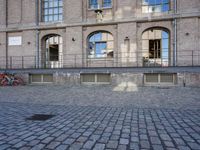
40	117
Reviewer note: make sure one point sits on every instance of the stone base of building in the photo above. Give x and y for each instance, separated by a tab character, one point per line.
172	76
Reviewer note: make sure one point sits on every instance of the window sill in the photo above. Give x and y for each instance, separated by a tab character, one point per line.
162	12
50	22
105	58
103	8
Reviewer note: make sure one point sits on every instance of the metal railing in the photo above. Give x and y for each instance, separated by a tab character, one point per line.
125	59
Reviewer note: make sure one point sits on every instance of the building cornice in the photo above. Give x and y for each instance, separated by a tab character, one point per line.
60	25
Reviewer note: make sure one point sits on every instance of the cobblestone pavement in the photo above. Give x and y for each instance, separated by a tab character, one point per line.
100	125
119	96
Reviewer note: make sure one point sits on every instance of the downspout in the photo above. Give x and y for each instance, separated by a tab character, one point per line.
175	35
37	36
6	34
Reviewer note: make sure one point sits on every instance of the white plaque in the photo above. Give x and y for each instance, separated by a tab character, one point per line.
17	40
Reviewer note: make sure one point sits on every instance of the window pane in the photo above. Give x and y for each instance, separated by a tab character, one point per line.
52	9
45	18
60	17
165	7
51	18
60	10
149	6
55	18
152	2
60	3
55	10
107	3
50	4
55	3
145	2
93	4
100	49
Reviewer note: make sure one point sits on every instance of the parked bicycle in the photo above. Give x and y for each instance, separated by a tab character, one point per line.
10	80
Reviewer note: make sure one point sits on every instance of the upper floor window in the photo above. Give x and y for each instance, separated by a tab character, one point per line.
52	10
94	4
107	3
149	6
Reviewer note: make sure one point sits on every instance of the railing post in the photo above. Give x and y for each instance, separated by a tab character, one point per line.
75	60
10	62
192	58
22	62
35	57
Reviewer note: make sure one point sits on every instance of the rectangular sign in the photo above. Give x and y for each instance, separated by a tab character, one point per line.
17	40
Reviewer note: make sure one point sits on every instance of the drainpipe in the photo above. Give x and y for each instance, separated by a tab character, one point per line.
37	36
175	35
6	34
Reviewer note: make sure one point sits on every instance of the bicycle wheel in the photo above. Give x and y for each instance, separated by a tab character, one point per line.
19	81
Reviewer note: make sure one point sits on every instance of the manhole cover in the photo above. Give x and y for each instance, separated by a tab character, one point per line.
40	117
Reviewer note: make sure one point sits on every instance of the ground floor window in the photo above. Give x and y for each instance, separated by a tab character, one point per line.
100	45
155	47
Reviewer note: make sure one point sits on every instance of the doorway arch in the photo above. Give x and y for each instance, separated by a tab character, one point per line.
52	51
156	47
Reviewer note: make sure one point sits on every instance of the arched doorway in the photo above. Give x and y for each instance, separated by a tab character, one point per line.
52	51
155	47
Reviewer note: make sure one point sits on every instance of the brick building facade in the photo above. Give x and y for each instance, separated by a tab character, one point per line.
99	33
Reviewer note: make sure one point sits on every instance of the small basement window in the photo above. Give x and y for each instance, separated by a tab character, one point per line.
92	78
41	78
160	78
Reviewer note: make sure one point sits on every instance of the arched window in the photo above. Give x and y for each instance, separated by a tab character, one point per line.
155	47
149	6
52	10
100	45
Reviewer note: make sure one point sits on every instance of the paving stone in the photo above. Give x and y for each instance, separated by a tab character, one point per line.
53	145
194	146
68	141
19	144
99	146
124	141
62	147
112	144
145	144
157	147
122	147
89	144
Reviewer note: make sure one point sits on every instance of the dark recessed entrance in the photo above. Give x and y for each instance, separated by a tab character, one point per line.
40	117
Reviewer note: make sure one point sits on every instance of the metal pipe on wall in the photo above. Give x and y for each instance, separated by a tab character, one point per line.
37	35
175	35
6	33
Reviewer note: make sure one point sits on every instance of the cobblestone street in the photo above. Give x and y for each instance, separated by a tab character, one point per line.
122	121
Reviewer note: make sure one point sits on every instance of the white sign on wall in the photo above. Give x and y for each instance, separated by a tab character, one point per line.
17	40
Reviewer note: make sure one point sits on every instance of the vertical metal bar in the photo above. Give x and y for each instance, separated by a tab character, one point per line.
6	34
192	58
37	34
35	61
22	62
75	60
10	62
175	35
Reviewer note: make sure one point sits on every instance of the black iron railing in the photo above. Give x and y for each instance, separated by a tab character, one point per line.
125	59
